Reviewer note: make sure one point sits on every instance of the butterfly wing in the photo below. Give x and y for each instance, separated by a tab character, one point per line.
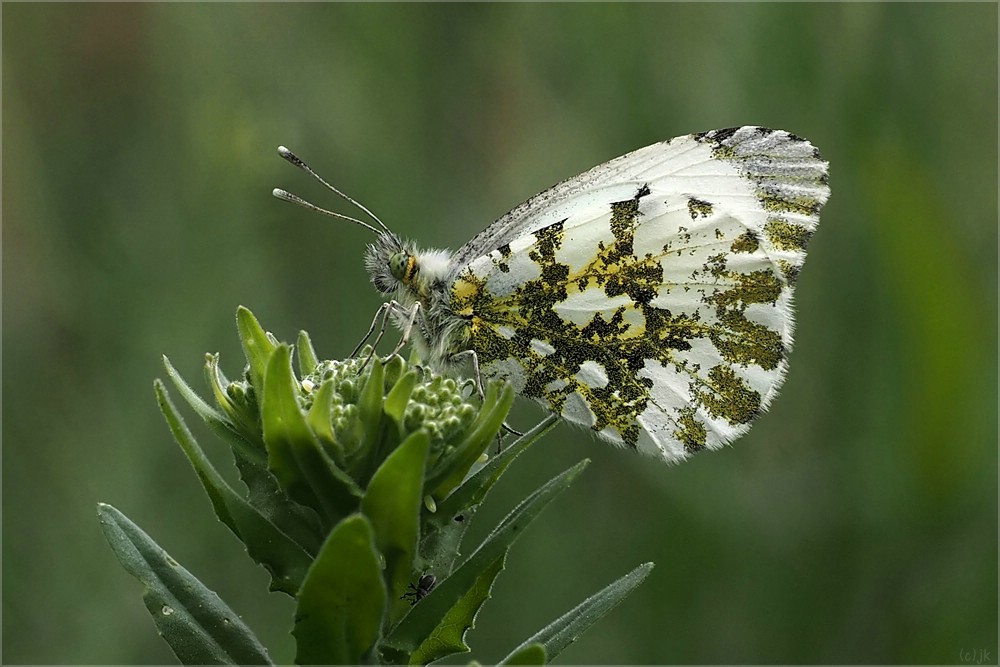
650	298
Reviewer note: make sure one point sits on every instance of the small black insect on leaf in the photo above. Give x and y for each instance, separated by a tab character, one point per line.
417	592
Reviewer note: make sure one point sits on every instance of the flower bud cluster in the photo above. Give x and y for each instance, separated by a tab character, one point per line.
439	405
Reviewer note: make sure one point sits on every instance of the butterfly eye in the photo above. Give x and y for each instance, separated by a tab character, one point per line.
399	266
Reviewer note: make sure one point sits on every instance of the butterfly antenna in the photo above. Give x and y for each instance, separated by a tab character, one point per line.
295	199
298	162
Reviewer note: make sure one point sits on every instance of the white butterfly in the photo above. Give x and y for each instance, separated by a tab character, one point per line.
648	299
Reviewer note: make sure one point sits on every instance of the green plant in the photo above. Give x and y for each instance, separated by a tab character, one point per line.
361	480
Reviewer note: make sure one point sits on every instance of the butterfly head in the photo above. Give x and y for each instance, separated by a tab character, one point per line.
390	263
398	267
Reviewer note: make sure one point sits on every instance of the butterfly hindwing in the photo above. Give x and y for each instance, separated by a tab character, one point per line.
650	298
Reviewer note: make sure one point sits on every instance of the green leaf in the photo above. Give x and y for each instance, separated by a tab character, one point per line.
242	409
567	628
320	421
445	527
220	424
532	654
295	456
399	395
369	422
392	504
449	636
257	346
441	547
298	521
307	355
452	469
208	414
266	543
199	627
473	490
419	624
341	603
394	368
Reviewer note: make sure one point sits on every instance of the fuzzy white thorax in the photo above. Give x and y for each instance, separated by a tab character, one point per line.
433	264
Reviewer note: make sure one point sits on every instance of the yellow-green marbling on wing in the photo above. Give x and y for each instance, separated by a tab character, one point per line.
661	319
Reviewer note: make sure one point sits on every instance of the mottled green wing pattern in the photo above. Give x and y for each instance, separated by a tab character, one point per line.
655	306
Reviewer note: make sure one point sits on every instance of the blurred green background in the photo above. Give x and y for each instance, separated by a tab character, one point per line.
856	523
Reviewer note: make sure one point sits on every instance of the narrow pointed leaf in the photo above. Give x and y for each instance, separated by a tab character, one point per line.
446	527
392	503
370	416
200	406
266	543
448	637
532	654
242	410
419	624
295	456
341	603
394	369
473	490
298	521
256	345
320	421
399	395
307	355
440	548
217	421
567	628
199	627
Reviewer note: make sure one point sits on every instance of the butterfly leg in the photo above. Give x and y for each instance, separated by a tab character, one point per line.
407	330
384	312
510	429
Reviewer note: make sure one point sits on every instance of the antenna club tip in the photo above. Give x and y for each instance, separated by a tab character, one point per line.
285	195
292	157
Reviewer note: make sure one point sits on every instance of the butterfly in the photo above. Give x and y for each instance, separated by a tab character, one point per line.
648	299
